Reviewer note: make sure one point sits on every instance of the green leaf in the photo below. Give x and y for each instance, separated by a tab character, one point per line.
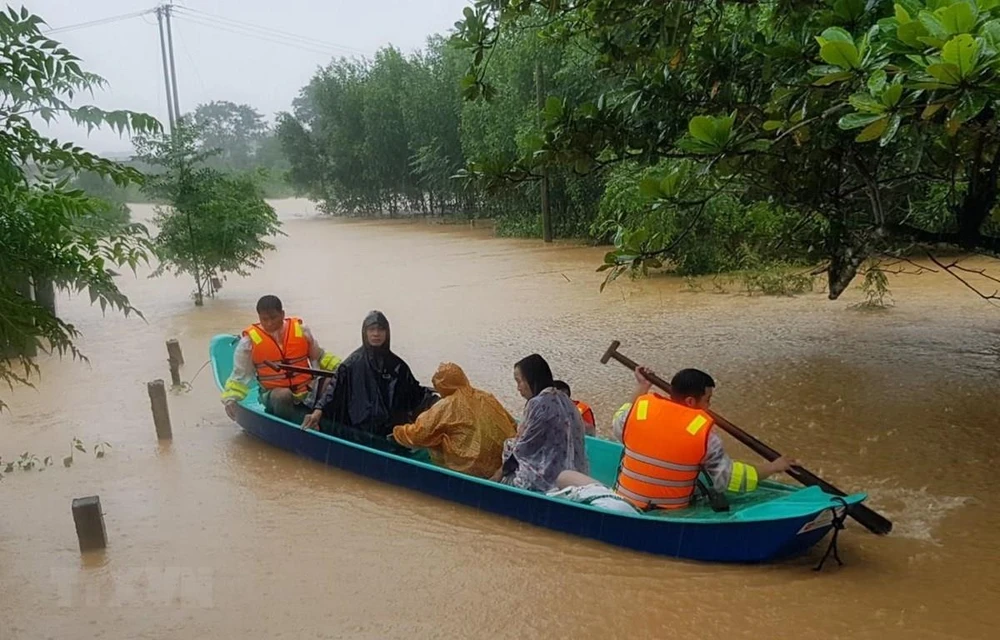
890	130
902	15
849	10
649	188
930	110
892	95
836	34
702	128
833	78
553	108
990	32
876	82
840	54
911	33
958	18
946	73
772	125
933	25
866	103
873	131
671	183
961	51
857	120
969	107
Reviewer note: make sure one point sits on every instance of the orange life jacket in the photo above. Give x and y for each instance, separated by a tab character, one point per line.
293	350
665	443
586	412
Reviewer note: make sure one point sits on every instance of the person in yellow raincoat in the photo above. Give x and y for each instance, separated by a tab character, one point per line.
465	430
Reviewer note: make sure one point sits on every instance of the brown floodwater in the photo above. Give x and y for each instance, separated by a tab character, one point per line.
217	535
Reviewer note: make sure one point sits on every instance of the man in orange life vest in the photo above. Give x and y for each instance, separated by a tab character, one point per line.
278	339
585	411
669	441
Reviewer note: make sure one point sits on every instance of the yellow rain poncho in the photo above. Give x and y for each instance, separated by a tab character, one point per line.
465	430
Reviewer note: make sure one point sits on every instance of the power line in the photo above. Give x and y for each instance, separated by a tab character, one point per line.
271	39
267	31
95	23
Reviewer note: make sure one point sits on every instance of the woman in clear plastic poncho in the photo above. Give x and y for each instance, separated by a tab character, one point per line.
465	430
550	438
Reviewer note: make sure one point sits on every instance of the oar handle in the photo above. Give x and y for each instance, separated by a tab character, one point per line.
873	521
322	373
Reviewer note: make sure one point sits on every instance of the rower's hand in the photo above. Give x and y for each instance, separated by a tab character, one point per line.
642	383
311	421
781	465
231	410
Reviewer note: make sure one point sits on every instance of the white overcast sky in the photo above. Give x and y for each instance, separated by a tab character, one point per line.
213	64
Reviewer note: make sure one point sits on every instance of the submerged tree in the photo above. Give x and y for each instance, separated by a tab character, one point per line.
44	232
216	223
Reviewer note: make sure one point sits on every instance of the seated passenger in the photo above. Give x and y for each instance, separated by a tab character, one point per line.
277	339
585	411
465	430
373	390
668	441
550	436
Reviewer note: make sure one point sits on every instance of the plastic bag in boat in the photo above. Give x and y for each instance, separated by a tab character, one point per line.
595	495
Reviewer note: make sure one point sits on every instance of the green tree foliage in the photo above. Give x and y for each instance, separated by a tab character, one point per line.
376	136
847	117
236	131
46	227
216	223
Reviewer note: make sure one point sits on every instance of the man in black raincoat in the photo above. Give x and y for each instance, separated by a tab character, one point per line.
373	391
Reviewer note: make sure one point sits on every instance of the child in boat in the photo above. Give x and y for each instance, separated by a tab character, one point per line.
550	437
276	338
465	430
585	411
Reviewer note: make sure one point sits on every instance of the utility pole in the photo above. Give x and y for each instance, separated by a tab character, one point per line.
166	71
173	68
540	96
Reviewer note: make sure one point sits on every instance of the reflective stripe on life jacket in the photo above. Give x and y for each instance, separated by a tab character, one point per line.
665	443
586	412
293	350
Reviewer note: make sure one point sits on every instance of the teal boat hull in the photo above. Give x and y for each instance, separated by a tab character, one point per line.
776	521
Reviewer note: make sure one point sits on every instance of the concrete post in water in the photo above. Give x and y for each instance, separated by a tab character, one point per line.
89	522
161	414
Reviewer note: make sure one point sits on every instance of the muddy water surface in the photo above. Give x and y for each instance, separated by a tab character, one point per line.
219	536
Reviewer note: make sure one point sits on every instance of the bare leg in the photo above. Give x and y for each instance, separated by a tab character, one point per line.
570	478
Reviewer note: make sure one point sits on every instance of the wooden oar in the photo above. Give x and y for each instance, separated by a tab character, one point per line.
870	519
290	367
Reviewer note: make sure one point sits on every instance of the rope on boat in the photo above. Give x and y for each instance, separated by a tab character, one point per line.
838	525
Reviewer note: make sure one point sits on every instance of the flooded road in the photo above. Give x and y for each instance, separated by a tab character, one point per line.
219	536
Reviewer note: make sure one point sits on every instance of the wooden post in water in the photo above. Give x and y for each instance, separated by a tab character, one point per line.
161	413
89	522
175	359
174	351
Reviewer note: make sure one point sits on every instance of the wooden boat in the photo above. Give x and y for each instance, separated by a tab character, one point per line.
775	521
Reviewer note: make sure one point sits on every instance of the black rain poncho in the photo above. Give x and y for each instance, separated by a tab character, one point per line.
374	389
